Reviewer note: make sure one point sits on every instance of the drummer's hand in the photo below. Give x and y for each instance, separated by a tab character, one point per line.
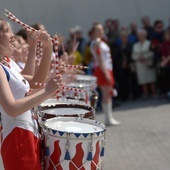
62	70
32	38
54	84
68	59
44	37
71	58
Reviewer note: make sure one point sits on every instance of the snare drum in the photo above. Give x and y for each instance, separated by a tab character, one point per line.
92	80
91	94
66	110
74	144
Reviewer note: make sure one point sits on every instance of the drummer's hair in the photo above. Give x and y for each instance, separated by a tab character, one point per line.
22	33
2	24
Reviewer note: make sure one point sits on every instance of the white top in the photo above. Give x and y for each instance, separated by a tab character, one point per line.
14	66
19	88
105	54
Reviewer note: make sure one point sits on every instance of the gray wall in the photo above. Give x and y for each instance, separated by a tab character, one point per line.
60	15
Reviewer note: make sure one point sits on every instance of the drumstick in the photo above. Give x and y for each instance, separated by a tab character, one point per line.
56	61
15	19
73	66
63	87
25	26
56	54
39	52
57	64
55	41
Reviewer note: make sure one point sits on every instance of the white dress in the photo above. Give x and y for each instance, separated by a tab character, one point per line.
145	73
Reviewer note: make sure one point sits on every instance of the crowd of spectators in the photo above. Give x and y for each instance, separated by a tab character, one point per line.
140	55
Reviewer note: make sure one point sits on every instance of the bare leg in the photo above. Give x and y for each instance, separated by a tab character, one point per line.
107	105
106	97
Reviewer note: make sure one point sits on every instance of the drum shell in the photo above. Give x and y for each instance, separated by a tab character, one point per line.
79	148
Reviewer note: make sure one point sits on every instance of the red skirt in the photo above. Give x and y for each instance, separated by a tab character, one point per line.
101	79
21	151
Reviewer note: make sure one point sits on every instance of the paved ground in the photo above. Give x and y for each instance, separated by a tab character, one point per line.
142	141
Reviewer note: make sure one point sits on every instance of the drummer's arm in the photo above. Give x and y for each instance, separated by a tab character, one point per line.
44	68
14	107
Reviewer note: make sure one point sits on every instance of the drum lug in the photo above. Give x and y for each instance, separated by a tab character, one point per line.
67	146
81	116
103	145
91	143
67	143
67	154
89	157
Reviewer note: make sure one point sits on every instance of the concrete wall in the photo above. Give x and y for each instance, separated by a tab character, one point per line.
60	15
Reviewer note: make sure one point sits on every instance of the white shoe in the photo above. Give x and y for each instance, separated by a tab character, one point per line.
112	122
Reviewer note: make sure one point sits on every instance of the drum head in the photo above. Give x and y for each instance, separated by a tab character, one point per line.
74	125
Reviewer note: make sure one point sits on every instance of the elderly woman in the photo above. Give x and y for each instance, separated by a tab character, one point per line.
143	58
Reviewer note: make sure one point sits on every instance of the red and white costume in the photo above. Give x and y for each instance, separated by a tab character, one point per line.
104	51
12	64
20	137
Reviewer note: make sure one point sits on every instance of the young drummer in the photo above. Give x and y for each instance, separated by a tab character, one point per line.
20	142
103	72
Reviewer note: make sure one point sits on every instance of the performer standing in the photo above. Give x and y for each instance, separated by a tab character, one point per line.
20	137
103	72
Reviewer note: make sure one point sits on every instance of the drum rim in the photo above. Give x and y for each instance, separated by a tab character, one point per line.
84	120
80	85
89	114
69	100
79	75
